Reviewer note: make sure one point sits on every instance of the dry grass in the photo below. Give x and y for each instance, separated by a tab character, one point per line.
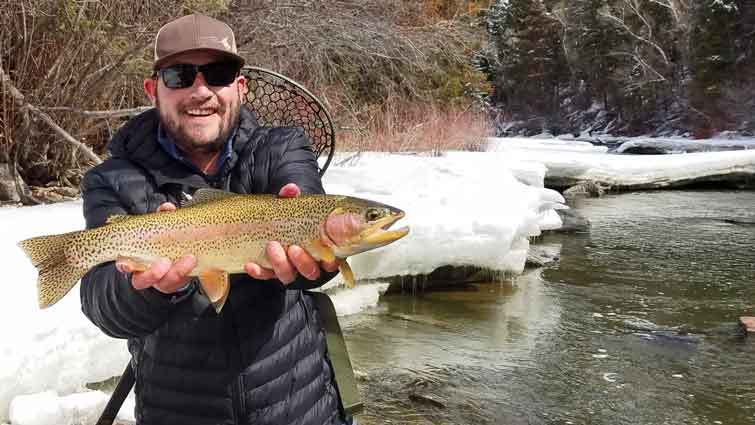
400	126
67	57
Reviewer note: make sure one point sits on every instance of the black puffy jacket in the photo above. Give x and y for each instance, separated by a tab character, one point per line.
264	359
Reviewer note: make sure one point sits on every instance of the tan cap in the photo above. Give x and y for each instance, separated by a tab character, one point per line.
194	32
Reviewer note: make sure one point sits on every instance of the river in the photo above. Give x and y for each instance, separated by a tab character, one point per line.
634	325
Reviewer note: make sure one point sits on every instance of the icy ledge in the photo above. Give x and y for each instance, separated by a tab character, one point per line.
570	162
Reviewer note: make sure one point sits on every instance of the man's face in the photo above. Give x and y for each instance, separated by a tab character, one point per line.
200	118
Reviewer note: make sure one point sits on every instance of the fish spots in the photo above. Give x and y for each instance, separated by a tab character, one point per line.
212	231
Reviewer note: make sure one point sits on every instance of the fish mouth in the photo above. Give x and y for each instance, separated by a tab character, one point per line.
379	234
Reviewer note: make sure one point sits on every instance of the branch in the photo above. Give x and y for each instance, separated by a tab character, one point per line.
645	66
626	28
112	113
21	102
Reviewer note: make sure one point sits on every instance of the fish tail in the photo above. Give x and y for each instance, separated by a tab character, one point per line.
58	272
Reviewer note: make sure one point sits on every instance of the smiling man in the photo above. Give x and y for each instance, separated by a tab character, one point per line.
263	359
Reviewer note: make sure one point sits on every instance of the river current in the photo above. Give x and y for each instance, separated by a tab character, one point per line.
635	324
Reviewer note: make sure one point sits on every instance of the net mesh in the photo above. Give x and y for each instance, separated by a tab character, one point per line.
281	102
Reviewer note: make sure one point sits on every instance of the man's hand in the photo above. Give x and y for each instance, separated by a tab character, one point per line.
163	275
286	264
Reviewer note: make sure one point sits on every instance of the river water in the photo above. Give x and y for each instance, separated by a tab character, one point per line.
634	325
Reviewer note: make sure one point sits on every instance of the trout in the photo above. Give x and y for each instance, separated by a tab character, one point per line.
223	231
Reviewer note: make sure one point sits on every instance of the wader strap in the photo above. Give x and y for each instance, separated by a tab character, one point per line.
119	396
339	356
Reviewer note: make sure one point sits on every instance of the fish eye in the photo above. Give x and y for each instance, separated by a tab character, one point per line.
372	214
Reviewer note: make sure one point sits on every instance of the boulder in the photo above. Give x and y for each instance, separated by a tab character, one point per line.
572	222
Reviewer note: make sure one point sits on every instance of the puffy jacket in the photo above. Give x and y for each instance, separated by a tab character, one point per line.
264	359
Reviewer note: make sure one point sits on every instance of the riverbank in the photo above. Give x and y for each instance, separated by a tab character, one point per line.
571	162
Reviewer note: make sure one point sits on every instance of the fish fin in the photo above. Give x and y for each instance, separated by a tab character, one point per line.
58	272
347	274
216	286
136	264
204	195
320	251
115	218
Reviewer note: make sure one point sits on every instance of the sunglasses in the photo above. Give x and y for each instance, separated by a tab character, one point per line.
181	76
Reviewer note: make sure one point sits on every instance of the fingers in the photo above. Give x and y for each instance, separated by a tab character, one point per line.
166	207
147	278
284	270
258	272
304	263
287	264
177	275
163	275
290	190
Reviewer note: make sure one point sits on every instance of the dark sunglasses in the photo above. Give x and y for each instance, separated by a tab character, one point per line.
180	76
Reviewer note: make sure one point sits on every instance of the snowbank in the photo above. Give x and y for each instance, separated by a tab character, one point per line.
463	208
573	162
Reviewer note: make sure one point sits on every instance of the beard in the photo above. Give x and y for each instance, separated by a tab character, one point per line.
202	140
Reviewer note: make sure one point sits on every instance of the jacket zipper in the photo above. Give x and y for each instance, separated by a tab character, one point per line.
237	395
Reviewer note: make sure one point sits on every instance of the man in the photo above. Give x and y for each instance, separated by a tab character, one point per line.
263	359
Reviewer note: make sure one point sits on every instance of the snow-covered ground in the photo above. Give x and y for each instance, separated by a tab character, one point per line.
462	207
569	162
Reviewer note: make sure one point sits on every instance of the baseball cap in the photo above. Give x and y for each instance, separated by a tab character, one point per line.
194	32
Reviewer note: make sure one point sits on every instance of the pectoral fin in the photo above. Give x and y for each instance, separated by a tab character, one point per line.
321	252
216	286
136	264
347	274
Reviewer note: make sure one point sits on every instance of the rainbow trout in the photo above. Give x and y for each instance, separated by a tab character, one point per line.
224	231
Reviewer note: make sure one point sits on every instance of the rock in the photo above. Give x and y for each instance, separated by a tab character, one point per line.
8	192
361	376
572	222
586	189
427	399
542	255
748	322
54	193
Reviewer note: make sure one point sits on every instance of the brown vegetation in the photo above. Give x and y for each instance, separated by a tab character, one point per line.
70	59
412	126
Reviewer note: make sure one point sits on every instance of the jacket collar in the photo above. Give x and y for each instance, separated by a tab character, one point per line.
137	142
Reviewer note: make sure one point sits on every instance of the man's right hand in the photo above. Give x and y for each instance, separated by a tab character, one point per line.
163	275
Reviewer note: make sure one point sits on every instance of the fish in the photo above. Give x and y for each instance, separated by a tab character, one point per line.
224	231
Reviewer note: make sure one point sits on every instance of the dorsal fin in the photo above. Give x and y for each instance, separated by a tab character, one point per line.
116	218
202	196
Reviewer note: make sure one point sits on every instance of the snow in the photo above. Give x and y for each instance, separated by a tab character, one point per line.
569	162
462	208
681	145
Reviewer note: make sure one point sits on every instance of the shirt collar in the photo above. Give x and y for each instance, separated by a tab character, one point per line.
169	146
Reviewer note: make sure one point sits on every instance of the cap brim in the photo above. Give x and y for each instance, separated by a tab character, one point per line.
167	59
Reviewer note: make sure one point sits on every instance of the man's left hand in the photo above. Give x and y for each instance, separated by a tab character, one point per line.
288	263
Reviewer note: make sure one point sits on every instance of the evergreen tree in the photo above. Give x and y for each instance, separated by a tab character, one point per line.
531	67
589	42
713	54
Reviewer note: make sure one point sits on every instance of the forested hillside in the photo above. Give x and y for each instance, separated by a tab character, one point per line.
623	66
